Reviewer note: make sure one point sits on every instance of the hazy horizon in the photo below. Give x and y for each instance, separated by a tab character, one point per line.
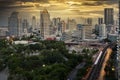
56	8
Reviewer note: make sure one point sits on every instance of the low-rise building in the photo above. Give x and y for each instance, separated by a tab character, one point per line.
3	32
66	36
112	37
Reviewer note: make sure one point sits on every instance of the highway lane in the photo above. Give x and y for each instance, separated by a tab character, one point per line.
97	67
95	71
102	72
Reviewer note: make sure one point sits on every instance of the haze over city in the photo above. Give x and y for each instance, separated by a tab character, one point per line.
59	39
57	8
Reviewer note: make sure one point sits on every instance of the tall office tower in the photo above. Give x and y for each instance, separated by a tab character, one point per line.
108	16
87	31
63	24
61	27
71	24
54	25
14	24
25	25
97	29
100	20
51	29
45	23
54	22
58	25
102	31
58	20
89	21
34	23
78	33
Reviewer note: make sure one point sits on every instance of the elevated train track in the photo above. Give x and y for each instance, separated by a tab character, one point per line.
95	70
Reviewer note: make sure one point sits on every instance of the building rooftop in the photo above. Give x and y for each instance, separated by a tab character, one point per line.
45	10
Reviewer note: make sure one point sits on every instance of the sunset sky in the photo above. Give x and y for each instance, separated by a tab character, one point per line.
56	8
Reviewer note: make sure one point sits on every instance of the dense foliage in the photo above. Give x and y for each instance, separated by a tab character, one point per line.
42	60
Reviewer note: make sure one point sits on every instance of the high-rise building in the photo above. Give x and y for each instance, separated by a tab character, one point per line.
100	20
108	16
89	21
102	30
61	27
34	23
87	31
54	22
78	34
71	24
14	24
54	25
45	23
25	27
51	29
63	24
58	20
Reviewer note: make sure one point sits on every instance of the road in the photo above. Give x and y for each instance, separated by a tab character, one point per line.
73	73
94	74
4	74
102	72
96	68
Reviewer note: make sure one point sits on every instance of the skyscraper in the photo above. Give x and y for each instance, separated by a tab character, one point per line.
87	32
108	16
14	24
100	20
71	24
89	21
63	26
56	24
25	26
102	30
34	23
45	23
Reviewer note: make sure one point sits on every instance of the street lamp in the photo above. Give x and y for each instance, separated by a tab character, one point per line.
43	65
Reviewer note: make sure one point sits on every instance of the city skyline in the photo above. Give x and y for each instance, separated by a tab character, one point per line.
56	8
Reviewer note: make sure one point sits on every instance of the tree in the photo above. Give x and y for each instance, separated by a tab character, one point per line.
3	43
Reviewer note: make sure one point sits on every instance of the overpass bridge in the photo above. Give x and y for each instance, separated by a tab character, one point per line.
93	44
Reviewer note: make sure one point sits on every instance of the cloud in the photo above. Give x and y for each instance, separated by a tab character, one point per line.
5	4
56	8
12	1
92	3
98	3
